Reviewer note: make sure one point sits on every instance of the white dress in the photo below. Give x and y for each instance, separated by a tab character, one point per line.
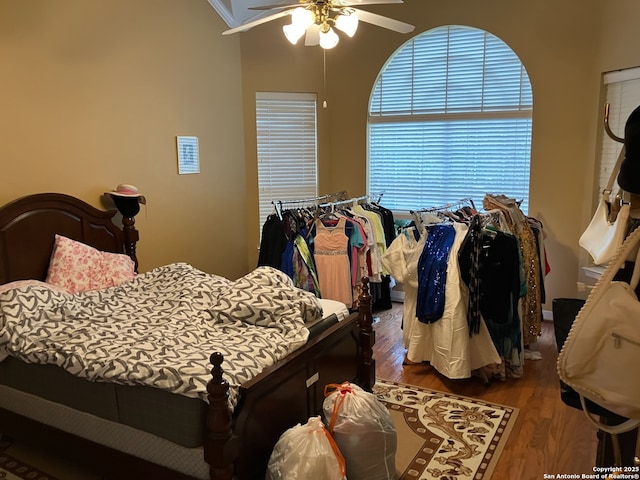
401	261
445	343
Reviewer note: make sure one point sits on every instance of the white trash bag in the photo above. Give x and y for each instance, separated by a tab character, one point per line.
306	452
364	431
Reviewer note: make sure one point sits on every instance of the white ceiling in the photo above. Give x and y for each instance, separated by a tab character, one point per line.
236	12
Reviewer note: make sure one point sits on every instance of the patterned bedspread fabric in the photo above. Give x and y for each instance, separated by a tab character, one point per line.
160	328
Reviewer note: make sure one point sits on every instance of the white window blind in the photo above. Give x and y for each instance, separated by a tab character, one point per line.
622	92
286	126
450	118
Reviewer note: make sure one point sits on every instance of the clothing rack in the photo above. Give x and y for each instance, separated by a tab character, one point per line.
449	206
307	202
464	202
354	201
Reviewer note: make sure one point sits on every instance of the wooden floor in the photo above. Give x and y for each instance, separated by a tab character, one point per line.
549	437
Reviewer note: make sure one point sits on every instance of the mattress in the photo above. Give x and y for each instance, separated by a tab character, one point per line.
189	461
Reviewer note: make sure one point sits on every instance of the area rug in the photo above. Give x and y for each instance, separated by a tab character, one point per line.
444	436
12	468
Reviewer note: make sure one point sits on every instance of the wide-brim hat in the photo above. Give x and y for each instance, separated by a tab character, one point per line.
127	191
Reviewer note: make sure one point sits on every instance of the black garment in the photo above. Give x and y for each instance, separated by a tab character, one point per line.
387	220
472	245
381	292
273	242
498	274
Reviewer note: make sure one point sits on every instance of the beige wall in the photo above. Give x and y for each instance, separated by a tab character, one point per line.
556	40
93	94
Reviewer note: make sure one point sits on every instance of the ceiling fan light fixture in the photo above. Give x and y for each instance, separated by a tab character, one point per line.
293	33
328	38
302	18
348	23
313	19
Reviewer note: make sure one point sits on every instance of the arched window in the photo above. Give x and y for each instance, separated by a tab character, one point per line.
450	118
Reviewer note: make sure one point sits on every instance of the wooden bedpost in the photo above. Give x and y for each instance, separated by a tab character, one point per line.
219	427
131	237
366	363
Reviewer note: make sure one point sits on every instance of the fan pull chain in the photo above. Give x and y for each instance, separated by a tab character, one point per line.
324	77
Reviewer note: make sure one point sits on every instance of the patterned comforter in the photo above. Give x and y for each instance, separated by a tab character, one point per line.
160	328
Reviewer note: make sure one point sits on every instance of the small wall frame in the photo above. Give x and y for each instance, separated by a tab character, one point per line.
188	155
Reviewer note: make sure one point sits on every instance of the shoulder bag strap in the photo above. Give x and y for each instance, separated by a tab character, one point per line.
614	173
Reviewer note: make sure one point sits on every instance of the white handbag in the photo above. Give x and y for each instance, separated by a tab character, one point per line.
602	237
601	354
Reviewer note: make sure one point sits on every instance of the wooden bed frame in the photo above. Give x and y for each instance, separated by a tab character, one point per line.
237	444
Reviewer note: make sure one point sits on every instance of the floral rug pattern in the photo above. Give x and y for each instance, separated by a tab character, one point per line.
13	469
453	437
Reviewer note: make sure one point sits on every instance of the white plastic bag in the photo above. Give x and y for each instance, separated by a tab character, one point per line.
364	431
306	452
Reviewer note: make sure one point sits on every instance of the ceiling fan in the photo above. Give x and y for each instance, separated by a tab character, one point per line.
315	19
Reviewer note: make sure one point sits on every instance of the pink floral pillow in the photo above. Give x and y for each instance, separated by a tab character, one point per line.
77	267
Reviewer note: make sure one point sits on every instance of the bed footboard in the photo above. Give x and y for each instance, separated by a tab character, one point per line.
238	445
366	363
218	444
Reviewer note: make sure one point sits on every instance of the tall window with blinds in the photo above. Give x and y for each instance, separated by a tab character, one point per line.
449	118
286	128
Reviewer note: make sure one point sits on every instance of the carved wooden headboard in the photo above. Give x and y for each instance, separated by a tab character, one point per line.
28	226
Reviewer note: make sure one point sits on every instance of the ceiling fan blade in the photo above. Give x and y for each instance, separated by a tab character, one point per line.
384	22
281	5
312	36
366	2
334	3
260	21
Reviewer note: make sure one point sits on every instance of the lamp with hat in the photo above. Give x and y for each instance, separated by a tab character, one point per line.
127	200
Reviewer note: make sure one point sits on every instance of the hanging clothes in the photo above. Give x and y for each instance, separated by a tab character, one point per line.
304	272
332	261
531	303
432	272
446	343
401	260
490	266
272	242
289	242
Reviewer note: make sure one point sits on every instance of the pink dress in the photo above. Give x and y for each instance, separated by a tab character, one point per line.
332	262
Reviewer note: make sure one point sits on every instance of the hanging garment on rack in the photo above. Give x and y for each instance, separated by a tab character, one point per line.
377	241
401	260
368	226
531	304
490	267
304	272
272	242
288	218
446	344
386	216
332	261
432	272
538	231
